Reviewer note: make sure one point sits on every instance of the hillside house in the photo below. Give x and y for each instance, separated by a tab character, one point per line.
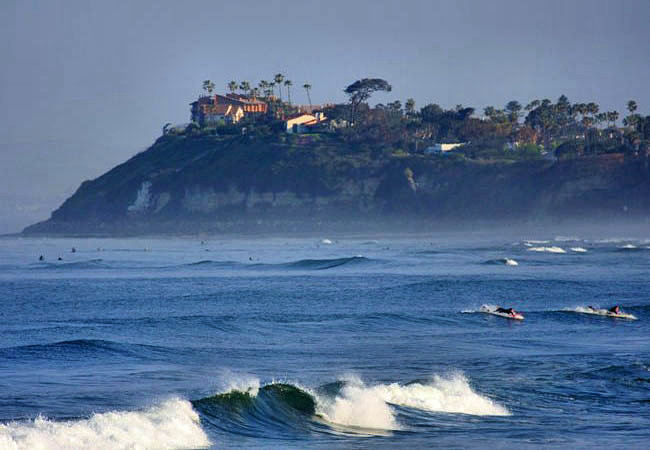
231	108
301	122
441	149
226	113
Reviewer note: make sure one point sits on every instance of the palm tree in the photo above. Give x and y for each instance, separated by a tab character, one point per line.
307	87
233	86
532	105
272	87
489	112
263	86
279	78
245	87
255	92
409	106
632	119
208	86
288	84
513	108
592	108
631	106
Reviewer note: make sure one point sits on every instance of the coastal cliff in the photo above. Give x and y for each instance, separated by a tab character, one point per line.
188	184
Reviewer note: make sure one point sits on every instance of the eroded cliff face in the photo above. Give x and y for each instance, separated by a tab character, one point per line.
236	184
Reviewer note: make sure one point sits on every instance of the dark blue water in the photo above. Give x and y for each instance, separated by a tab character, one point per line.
349	343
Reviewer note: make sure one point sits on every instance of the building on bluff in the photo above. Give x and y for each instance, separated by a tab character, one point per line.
230	108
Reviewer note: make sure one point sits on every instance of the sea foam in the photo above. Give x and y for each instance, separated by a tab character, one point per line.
246	384
552	249
503	261
364	406
172	424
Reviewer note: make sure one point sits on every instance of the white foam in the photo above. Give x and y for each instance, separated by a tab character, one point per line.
627	247
552	249
358	406
511	262
533	241
580	309
578	249
364	406
326	242
172	424
451	394
241	383
567	238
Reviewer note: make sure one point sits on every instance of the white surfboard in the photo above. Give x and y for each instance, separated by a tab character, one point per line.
490	310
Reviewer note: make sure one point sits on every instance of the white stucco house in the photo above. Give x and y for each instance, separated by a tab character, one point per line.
299	122
441	149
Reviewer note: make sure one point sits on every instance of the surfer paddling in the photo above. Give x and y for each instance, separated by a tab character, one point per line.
508	313
615	311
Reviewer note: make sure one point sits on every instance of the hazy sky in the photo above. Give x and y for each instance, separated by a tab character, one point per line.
84	85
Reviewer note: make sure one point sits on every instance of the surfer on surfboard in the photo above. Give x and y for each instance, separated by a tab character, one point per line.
509	311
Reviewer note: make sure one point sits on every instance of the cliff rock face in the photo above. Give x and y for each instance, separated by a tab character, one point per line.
191	184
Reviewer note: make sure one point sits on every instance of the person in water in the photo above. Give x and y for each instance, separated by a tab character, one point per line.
510	311
615	309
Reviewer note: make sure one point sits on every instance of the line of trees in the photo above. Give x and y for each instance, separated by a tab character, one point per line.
573	128
264	89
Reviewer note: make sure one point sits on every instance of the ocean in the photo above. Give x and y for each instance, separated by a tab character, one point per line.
324	342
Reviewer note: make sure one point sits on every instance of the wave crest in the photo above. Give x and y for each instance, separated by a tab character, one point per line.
370	407
321	264
552	249
347	405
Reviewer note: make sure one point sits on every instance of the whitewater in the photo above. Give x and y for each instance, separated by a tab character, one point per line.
328	341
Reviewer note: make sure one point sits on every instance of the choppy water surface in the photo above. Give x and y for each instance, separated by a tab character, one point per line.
333	343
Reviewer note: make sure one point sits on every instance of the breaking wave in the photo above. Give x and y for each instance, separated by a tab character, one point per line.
578	249
552	249
173	424
345	406
364	406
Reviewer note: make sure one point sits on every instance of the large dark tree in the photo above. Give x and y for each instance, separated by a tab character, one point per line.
361	90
